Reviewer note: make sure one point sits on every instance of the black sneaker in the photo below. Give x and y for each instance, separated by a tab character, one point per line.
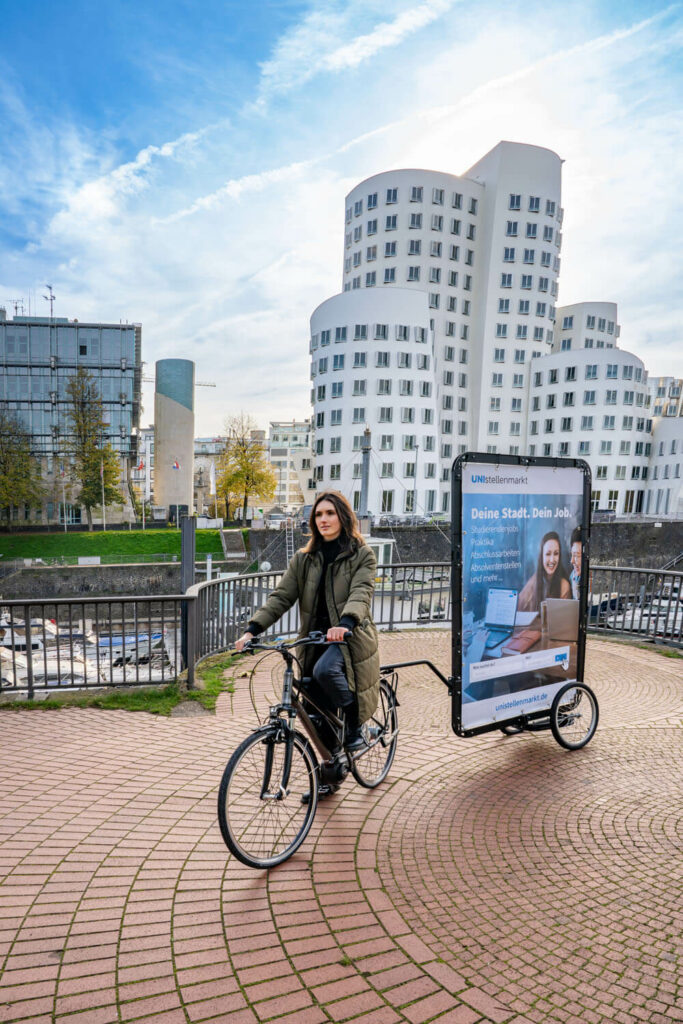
323	791
354	740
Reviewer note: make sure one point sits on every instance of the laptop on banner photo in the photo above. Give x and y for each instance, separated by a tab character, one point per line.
560	618
499	619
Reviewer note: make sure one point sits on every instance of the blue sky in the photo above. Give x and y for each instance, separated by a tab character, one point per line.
185	164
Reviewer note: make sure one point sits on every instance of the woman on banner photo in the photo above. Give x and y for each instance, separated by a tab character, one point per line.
550	578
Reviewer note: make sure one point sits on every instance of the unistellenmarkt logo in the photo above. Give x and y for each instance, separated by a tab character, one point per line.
497	478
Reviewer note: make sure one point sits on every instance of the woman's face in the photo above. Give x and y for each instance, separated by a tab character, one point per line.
551	556
327	520
576	557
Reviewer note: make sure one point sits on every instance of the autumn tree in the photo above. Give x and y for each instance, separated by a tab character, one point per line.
243	471
95	464
19	474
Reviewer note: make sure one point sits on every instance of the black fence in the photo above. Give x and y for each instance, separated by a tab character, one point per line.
66	644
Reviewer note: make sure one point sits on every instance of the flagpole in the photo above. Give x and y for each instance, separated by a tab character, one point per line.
64	498
104	515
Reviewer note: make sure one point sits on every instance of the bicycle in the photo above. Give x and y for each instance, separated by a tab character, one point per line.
268	794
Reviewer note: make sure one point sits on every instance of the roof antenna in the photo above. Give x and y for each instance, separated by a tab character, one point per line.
50	298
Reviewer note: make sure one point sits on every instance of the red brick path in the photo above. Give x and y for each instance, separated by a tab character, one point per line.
490	879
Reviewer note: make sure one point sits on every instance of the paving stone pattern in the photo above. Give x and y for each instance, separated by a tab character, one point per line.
498	879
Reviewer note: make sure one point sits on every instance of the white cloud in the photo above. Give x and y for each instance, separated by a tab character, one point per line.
312	46
223	241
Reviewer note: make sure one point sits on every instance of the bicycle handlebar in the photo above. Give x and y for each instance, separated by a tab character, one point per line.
315	637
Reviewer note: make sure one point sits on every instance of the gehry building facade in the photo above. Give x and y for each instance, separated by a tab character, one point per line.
442	274
445	338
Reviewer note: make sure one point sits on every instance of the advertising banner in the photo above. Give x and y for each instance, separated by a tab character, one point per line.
520	570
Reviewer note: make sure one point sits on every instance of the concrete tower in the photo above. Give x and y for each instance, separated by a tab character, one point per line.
174	435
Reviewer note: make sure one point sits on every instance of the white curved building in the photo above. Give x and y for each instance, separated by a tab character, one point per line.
372	365
593	404
664	497
482	253
586	325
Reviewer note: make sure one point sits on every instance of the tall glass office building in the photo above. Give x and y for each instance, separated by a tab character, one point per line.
38	355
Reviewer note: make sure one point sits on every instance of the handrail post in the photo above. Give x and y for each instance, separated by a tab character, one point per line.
188	550
391	600
190	618
29	650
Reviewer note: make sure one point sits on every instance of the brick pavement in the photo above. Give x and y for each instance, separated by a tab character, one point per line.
491	879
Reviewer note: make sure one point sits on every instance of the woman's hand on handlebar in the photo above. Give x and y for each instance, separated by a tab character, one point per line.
337	633
244	639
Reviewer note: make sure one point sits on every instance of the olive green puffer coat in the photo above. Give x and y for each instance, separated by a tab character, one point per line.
348	591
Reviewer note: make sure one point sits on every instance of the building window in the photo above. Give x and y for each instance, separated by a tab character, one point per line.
416	194
390	224
506	280
508	255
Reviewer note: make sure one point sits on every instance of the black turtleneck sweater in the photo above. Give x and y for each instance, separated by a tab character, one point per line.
321	617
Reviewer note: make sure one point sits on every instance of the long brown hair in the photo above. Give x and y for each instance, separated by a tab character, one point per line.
560	574
350	535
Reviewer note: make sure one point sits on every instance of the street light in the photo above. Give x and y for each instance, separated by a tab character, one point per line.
417	452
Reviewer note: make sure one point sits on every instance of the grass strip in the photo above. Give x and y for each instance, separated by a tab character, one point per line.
126	544
210	682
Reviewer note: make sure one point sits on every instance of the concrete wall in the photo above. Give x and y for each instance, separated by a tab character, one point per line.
100	580
625	544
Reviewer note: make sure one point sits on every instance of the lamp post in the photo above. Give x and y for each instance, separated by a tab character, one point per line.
417	452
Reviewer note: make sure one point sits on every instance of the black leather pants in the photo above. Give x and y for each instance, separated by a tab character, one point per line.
329	674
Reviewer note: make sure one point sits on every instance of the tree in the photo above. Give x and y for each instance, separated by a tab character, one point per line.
95	463
19	474
243	472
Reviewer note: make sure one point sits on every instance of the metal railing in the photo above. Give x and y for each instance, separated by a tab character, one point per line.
637	603
93	642
65	644
406	595
56	561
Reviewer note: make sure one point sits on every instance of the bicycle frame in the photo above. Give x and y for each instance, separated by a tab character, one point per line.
284	715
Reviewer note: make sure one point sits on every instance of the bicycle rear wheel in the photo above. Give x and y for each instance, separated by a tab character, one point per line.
263	824
381	736
574	715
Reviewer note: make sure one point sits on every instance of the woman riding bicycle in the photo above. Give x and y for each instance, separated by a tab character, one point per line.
333	579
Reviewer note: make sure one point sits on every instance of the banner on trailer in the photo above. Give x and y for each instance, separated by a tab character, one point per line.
520	533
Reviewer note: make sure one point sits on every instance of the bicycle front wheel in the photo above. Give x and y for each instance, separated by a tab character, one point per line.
381	736
264	810
574	715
